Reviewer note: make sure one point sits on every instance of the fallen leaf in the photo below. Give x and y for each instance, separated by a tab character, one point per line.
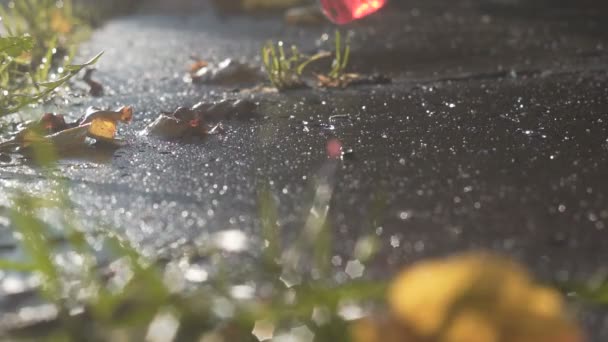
226	72
62	141
102	129
100	125
69	138
124	114
226	110
167	127
197	65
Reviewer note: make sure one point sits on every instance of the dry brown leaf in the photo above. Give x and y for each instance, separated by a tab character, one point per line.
198	65
69	138
124	114
167	127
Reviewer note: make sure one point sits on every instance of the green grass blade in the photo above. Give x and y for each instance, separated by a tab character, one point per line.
270	230
9	265
6	20
36	244
15	46
316	57
78	67
43	70
338	45
346	57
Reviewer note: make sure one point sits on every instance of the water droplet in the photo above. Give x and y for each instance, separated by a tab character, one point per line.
242	292
223	308
350	311
354	269
336	260
404	215
231	240
196	274
395	241
163	328
263	330
297	334
321	315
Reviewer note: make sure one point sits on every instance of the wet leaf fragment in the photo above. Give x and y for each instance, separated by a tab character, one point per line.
124	114
226	110
69	138
168	127
49	123
350	79
52	129
35	131
197	65
102	129
201	120
103	123
62	142
227	72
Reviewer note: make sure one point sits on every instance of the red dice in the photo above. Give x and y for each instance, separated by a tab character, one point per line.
345	11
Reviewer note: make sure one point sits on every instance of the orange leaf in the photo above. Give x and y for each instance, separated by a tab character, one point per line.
102	129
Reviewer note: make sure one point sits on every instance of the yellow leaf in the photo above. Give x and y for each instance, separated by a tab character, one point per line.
59	22
383	329
471	326
102	129
478	297
430	288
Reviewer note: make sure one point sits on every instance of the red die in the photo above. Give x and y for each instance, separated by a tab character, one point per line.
344	11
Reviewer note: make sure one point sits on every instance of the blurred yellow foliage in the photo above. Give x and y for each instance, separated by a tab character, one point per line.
60	23
475	297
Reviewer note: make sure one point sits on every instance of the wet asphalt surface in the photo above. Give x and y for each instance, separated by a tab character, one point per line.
493	135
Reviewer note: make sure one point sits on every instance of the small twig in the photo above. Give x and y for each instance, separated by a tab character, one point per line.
339	116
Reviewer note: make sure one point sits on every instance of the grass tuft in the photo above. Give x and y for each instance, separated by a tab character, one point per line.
284	69
36	53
